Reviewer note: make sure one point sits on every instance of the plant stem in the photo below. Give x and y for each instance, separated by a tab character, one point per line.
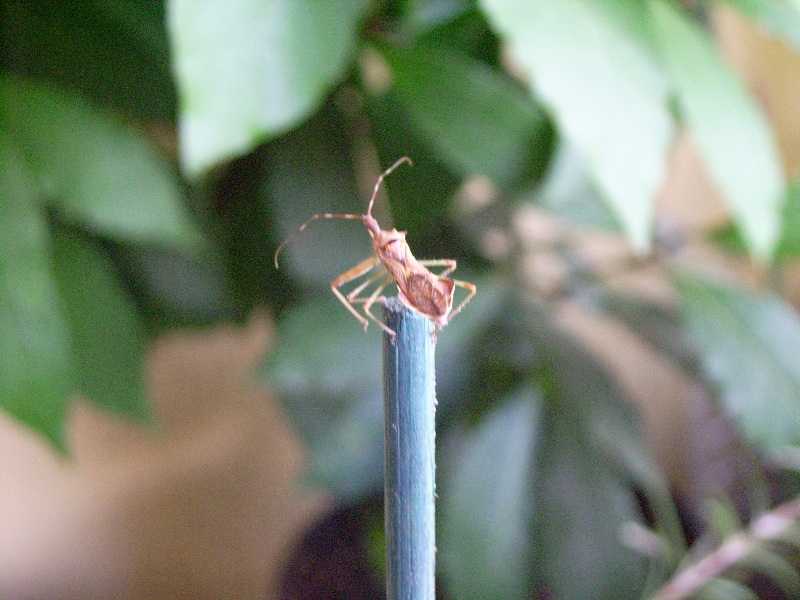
780	523
409	413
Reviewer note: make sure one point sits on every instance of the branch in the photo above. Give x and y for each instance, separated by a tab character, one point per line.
768	527
409	412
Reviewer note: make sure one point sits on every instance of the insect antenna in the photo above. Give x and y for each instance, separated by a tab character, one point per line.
366	219
308	222
378	183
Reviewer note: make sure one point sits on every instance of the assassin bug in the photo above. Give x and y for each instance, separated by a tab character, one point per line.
420	290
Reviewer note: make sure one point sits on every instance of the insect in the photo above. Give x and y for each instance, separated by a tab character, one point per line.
419	289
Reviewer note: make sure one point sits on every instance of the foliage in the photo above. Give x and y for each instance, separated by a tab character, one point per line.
287	108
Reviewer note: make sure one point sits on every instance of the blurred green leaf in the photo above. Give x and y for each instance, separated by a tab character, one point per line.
725	589
468	33
115	53
106	332
307	171
563	463
250	70
730	236
591	459
102	178
773	563
486	500
420	197
479	122
328	371
98	173
567	190
36	371
460	345
173	288
732	133
749	344
789	245
607	94
660	326
422	16
781	17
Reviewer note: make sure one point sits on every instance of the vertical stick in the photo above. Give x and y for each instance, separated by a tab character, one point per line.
409	411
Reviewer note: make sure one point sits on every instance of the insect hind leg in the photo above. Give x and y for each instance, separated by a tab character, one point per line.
470	287
442	262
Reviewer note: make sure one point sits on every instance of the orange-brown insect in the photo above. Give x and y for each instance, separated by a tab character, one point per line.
420	290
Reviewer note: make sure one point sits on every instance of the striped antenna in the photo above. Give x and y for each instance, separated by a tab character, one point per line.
366	219
378	183
310	219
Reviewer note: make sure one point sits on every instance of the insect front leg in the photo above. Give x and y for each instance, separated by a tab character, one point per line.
349	275
374	297
353	296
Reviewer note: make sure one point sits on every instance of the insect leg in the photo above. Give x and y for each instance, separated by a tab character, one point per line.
376	297
441	262
353	295
354	273
470	287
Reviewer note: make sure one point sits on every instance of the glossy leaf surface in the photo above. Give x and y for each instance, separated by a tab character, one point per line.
731	132
588	64
96	172
749	347
477	119
288	54
36	370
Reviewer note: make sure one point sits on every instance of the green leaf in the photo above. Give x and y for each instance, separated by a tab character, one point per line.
36	373
773	564
569	192
458	344
174	289
106	332
542	487
479	122
97	173
309	171
789	245
725	589
750	347
589	461
420	18
485	548
68	323
252	69
660	326
781	17
115	53
604	89
730	130
329	372
730	236
420	197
